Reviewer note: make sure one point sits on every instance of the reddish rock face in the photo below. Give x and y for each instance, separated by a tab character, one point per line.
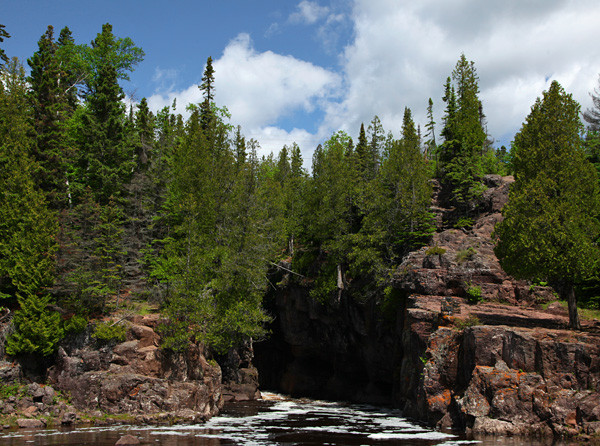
135	377
517	370
497	364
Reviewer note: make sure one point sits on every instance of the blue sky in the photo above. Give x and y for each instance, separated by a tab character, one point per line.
297	70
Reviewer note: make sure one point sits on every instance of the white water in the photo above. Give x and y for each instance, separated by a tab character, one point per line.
274	421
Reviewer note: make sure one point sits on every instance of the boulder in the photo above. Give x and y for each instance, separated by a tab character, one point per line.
127	440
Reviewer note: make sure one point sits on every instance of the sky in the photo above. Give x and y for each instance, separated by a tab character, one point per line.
299	70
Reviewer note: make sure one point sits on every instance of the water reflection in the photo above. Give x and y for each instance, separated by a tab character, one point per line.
276	420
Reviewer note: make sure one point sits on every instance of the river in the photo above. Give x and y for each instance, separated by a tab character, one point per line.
275	420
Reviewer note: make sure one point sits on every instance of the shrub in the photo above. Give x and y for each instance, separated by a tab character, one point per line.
435	251
108	332
465	254
473	294
471	321
76	324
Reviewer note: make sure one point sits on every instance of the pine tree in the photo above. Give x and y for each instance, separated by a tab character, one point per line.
144	126
362	152
550	227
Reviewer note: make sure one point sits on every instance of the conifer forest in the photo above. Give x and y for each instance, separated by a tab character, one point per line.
102	204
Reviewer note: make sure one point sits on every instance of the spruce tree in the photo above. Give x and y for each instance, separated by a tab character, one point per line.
208	93
27	227
3	35
464	137
550	228
50	111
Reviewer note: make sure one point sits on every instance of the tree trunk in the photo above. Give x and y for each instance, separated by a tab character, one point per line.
574	323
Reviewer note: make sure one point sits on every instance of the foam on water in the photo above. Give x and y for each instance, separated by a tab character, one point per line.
276	420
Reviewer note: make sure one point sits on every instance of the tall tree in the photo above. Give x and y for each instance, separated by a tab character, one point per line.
464	135
431	146
105	156
550	228
208	93
27	227
50	112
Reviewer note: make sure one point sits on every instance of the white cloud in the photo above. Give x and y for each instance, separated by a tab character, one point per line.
259	89
400	55
308	12
404	50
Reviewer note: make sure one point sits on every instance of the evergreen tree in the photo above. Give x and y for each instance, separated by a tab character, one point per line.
464	136
105	156
362	152
50	108
207	87
430	144
27	226
376	136
592	115
144	126
37	329
3	35
550	227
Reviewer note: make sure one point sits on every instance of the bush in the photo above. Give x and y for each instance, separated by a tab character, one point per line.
108	332
473	294
435	251
471	321
76	324
465	254
37	330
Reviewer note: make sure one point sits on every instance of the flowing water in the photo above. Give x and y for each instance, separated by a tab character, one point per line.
275	420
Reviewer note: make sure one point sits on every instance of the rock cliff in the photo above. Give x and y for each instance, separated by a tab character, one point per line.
132	380
459	344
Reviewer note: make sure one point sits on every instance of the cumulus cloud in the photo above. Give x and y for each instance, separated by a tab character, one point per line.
403	51
259	89
400	54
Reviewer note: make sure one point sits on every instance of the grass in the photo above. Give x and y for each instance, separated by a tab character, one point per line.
471	321
465	254
588	314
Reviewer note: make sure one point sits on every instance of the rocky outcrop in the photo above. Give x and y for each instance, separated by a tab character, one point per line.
137	378
458	344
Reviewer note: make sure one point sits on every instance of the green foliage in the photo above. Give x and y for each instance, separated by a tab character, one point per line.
435	251
15	389
460	155
27	227
326	283
109	332
473	293
75	324
550	226
464	222
37	330
470	321
465	255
